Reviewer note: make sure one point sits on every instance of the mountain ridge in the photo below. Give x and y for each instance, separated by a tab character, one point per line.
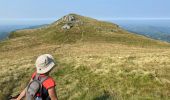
72	28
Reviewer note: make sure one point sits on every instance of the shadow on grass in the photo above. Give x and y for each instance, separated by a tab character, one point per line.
104	96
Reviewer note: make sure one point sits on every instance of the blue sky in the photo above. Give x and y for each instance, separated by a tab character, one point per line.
100	9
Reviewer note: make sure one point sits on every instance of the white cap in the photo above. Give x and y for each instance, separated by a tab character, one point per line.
44	63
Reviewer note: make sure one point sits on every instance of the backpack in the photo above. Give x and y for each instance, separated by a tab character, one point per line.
35	87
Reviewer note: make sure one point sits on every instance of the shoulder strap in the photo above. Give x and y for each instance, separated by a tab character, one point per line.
36	77
42	79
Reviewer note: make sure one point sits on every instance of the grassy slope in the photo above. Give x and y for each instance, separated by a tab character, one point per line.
94	62
87	29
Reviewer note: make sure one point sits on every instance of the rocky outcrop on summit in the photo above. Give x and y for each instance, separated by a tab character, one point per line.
68	21
68	18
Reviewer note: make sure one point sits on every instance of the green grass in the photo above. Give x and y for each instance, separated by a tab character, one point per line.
96	71
86	29
97	61
127	80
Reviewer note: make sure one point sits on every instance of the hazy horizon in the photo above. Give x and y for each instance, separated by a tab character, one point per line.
51	20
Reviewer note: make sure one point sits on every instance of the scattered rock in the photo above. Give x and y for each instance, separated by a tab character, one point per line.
66	26
68	18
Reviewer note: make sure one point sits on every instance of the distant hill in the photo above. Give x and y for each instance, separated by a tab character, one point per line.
3	35
155	32
156	29
5	30
73	28
34	26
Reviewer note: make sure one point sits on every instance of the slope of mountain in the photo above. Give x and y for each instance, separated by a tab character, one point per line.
160	33
6	29
84	29
3	35
156	29
97	61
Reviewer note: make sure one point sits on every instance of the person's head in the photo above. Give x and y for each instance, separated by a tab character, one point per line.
44	63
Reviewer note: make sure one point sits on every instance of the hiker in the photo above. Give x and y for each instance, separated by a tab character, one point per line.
46	91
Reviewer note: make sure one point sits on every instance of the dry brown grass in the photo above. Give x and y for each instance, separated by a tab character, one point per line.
139	72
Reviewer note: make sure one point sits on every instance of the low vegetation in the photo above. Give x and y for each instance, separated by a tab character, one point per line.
104	65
